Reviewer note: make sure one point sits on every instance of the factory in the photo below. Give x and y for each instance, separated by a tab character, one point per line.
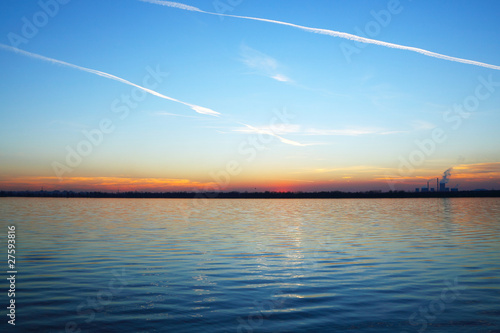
440	184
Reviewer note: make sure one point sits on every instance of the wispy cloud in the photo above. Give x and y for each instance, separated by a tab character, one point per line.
489	173
197	108
357	169
279	129
261	63
175	5
102	183
478	170
339	132
297	180
297	129
281	78
422	125
284	129
332	33
252	129
161	113
348	132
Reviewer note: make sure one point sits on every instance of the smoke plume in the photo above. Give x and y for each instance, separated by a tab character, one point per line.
446	176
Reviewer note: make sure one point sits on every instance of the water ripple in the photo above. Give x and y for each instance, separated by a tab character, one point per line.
107	265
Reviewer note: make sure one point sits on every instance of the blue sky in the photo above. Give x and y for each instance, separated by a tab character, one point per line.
354	118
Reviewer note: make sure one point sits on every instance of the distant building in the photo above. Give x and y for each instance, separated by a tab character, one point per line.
417	190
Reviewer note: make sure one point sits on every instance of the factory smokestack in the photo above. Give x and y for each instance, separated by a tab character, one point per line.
445	180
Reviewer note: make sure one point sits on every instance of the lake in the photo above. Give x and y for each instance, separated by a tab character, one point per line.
293	265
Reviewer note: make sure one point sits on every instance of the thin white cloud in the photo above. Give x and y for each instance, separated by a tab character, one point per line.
262	63
197	108
351	170
392	132
281	78
422	125
256	59
297	129
339	132
173	115
332	33
252	129
175	5
280	129
297	180
348	132
201	109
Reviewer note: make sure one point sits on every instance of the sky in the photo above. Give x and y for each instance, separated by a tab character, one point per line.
158	96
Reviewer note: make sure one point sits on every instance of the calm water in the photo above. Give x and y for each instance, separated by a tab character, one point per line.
379	265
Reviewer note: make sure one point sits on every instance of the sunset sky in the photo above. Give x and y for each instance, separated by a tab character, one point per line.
240	104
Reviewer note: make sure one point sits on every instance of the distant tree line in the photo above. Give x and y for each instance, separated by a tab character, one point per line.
252	195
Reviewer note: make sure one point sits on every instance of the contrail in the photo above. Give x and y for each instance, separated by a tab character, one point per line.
330	33
197	108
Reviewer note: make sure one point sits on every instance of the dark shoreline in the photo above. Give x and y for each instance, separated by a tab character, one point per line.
253	195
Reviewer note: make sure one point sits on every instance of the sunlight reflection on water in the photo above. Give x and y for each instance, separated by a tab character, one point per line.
367	265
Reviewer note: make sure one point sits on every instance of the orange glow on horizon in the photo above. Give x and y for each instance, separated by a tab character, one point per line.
357	179
102	184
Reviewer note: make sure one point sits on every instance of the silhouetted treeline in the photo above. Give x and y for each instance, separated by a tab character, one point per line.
252	195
